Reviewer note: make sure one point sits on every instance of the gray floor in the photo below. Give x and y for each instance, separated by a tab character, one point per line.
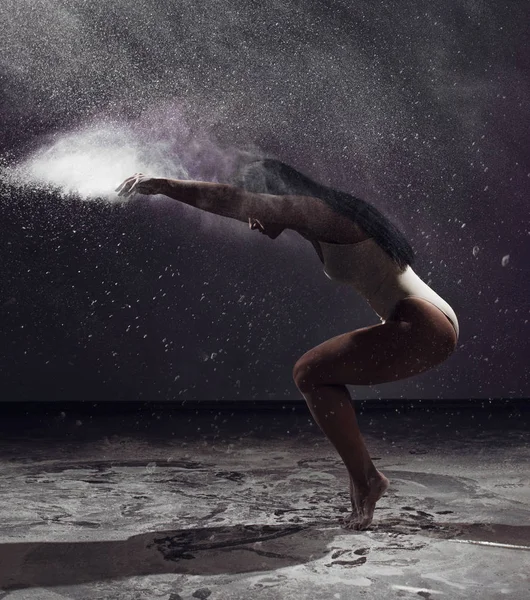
239	506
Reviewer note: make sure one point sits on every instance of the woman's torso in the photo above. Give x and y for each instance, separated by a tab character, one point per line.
366	267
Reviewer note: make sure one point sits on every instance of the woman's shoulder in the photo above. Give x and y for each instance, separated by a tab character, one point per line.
319	222
343	231
347	233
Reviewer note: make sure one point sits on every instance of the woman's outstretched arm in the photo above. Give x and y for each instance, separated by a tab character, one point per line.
218	198
302	213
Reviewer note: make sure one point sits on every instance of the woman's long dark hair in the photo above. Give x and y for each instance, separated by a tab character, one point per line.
269	176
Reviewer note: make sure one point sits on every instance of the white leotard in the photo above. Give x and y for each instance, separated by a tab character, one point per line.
373	274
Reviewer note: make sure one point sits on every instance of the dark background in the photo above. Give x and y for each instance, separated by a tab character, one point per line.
419	108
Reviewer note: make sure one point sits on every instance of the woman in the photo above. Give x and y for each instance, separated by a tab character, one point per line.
360	247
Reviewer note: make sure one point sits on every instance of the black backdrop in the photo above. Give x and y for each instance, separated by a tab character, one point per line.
420	109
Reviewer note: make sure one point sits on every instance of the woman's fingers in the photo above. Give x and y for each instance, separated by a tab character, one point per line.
130	185
121	186
254	223
125	187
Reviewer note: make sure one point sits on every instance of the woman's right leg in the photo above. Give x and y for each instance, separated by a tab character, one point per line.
333	411
416	338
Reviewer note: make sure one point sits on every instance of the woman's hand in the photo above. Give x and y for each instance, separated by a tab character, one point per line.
255	224
140	184
271	230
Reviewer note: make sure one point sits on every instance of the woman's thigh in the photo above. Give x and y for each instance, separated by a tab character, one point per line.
417	337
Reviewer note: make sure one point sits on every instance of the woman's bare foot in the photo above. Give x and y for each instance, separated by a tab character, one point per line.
364	501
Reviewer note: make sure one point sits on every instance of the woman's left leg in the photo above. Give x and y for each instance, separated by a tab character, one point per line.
416	338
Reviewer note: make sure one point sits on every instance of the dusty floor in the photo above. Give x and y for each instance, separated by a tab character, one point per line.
246	506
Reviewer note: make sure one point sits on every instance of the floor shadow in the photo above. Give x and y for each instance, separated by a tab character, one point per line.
223	550
206	551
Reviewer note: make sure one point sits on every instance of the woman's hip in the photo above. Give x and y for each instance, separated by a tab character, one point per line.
438	314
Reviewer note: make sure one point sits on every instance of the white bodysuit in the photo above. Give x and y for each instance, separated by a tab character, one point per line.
373	274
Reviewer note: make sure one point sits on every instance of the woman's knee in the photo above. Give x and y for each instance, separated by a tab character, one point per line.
304	374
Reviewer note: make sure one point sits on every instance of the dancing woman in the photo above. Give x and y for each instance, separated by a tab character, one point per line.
360	247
